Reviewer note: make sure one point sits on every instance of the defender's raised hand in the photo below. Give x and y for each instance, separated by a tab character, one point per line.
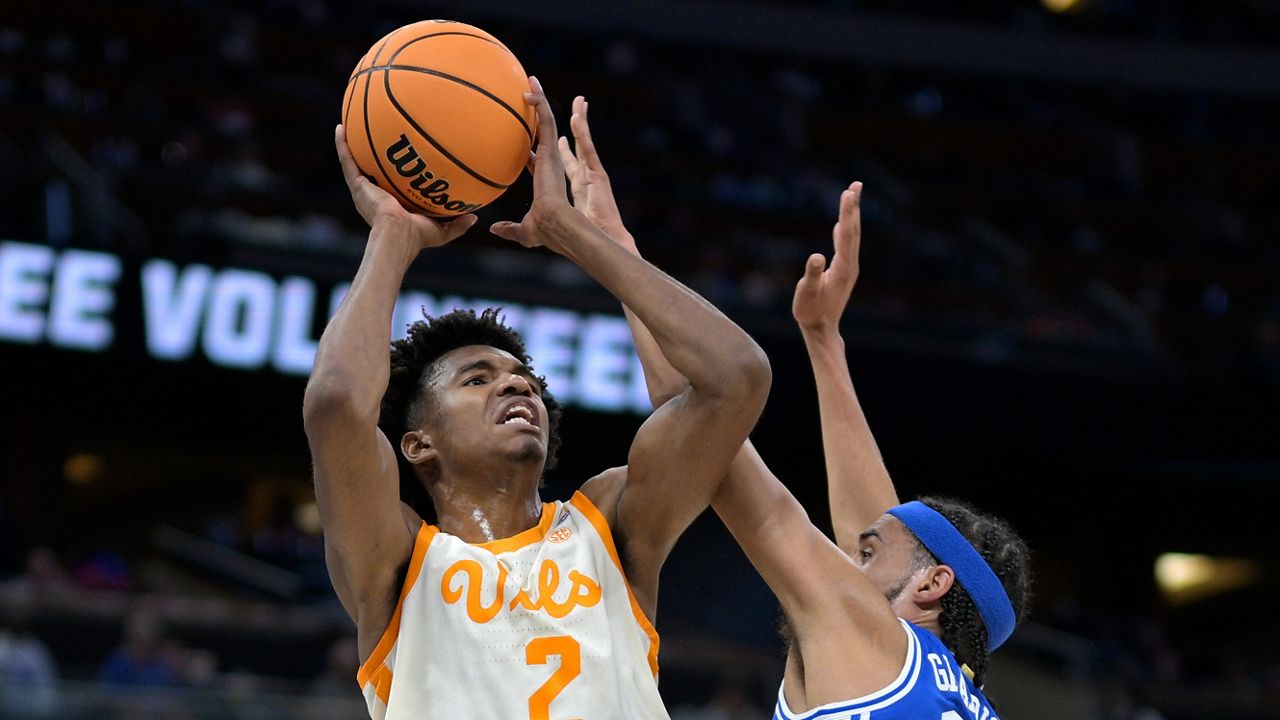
550	197
821	295
588	180
376	205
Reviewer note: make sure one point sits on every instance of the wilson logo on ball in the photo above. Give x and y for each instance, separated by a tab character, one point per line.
409	164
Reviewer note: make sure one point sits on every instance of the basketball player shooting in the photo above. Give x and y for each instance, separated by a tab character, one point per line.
897	622
507	607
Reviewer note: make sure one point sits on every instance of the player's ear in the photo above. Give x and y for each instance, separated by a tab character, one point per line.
417	447
934	583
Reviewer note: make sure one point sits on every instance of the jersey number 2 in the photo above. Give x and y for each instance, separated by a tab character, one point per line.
536	653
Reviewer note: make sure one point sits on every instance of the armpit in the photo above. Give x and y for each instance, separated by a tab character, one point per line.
603	491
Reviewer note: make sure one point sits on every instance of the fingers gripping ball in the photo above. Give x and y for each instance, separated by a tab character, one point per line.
435	114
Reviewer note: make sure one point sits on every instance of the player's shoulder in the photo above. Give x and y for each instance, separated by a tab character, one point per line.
604	489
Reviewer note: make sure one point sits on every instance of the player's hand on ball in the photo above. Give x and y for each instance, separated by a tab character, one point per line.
540	226
588	180
376	205
822	295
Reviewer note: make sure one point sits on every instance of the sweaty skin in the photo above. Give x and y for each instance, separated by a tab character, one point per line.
482	474
843	610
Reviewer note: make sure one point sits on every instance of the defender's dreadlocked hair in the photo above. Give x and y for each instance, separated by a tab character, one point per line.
407	402
963	631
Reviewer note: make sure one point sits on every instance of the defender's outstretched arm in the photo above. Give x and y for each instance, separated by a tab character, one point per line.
858	484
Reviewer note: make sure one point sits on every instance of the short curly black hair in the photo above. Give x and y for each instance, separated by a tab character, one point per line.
963	631
413	360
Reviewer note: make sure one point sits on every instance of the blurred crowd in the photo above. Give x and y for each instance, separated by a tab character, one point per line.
1250	22
141	633
1002	216
77	640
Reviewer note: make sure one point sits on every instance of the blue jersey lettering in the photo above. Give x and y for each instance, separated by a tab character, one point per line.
951	695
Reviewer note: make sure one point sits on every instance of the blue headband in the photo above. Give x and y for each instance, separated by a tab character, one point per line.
972	572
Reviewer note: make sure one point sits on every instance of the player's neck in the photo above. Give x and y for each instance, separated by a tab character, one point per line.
928	617
487	506
927	621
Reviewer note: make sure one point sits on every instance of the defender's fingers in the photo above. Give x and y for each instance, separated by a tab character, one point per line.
814	266
850	204
850	224
850	201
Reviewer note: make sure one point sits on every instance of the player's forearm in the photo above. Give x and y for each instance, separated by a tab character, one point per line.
663	381
745	500
765	519
352	358
715	355
858	484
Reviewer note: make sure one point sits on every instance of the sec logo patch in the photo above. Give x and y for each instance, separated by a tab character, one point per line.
559	536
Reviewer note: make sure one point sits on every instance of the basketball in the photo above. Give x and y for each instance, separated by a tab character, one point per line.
435	114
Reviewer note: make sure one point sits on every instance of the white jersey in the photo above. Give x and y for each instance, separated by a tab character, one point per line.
540	625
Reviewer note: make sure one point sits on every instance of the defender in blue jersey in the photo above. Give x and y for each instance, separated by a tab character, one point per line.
896	622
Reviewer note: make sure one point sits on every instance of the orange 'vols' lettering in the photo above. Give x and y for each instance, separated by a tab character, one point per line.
583	591
475	577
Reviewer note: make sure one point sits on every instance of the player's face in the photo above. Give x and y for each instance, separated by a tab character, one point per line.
487	404
886	556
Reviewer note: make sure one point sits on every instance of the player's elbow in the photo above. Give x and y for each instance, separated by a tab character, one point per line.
322	398
759	373
746	379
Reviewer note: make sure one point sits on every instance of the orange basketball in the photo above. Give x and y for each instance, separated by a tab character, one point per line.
435	114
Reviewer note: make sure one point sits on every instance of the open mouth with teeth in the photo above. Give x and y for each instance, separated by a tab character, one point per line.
519	414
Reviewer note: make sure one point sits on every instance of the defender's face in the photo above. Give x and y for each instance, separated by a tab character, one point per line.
885	556
487	403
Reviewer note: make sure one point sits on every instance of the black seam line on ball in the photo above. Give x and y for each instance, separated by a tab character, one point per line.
460	33
374	149
454	33
434	143
460	81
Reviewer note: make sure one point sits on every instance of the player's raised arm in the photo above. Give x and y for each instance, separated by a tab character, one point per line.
367	539
858	483
817	584
593	195
684	449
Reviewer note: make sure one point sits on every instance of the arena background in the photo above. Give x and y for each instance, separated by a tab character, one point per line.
1069	313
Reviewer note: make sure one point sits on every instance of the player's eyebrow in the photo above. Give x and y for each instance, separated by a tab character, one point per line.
868	534
486	364
474	365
